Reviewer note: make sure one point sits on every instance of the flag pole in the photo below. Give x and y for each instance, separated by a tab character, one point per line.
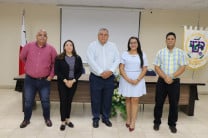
20	83
23	43
23	32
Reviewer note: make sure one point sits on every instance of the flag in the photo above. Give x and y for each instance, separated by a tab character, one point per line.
196	46
23	42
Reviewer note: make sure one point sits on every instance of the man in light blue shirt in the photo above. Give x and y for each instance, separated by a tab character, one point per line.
103	59
169	64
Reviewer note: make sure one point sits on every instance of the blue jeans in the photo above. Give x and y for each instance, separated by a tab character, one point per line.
31	86
101	96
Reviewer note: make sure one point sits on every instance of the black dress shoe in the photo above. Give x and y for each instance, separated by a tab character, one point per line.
156	127
107	123
70	124
62	127
173	129
95	124
24	123
48	122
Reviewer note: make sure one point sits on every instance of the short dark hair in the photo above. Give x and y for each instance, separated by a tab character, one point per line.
171	33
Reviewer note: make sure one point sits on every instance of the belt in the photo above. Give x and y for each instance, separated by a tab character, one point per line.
174	80
99	76
41	78
95	75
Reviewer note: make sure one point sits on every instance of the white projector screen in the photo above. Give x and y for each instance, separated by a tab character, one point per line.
81	25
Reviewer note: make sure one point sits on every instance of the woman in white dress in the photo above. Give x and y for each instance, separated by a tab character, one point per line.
133	68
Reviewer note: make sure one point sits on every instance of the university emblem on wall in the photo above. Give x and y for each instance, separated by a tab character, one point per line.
196	46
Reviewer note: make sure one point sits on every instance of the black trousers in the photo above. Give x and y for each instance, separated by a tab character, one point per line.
66	96
173	91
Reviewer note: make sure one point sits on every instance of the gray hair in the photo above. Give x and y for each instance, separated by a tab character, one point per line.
42	30
103	29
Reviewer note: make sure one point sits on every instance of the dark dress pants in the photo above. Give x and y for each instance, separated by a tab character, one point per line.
66	96
173	91
101	96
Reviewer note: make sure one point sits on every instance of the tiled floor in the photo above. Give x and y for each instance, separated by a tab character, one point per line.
11	116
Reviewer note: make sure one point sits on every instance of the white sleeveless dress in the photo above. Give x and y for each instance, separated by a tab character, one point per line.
132	69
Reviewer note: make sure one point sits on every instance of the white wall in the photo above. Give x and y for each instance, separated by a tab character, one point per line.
156	24
37	16
154	27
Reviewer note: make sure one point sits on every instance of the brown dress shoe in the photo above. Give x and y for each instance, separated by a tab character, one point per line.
173	129
24	123
48	122
156	127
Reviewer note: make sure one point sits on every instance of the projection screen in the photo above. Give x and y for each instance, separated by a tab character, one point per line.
81	25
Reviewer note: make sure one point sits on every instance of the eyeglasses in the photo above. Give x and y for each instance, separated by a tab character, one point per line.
133	43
